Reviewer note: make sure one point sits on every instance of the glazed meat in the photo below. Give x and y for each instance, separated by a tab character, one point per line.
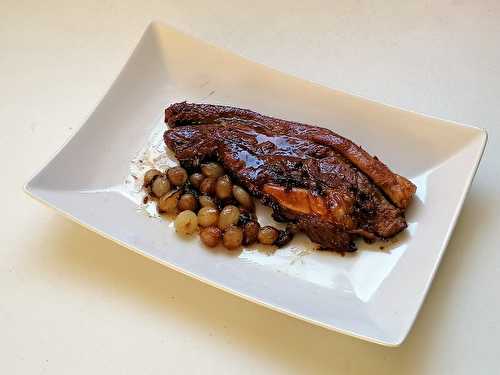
332	189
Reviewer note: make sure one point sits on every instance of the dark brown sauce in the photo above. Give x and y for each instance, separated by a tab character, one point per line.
252	163
281	143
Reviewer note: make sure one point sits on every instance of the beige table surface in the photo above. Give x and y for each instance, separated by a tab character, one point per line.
72	302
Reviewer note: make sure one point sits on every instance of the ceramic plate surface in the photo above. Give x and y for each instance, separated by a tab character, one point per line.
374	295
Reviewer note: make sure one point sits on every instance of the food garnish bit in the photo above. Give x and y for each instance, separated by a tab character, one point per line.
207	201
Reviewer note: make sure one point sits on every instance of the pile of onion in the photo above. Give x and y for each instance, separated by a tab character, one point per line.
208	202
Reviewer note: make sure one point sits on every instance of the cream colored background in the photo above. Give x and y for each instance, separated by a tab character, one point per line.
74	303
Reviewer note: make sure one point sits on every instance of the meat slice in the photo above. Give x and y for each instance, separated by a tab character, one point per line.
332	189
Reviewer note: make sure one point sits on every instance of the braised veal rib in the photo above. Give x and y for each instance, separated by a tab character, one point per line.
331	188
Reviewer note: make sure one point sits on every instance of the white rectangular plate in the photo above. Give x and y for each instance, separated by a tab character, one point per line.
374	295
